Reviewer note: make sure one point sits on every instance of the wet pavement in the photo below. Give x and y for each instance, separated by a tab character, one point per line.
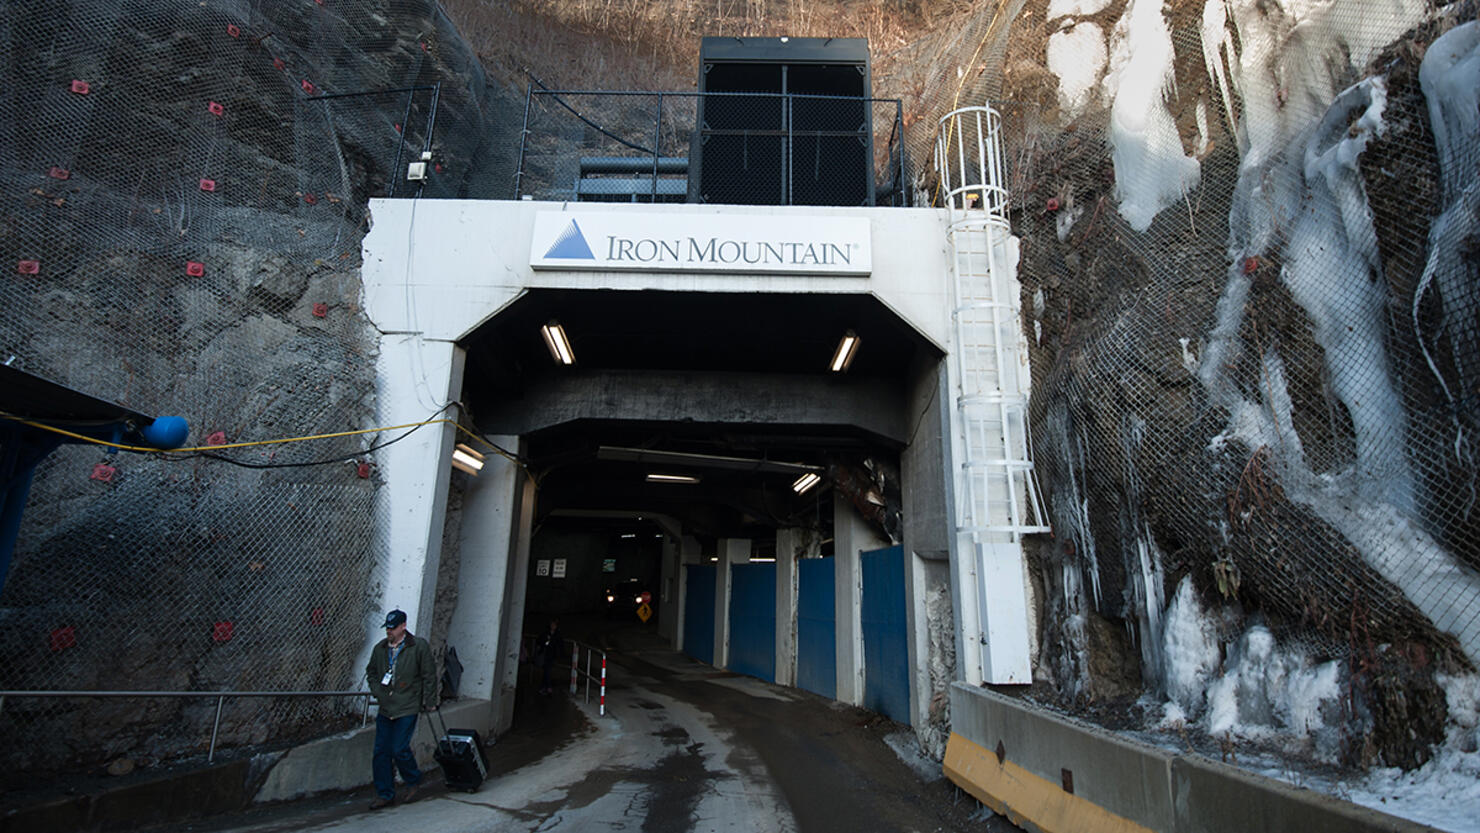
683	747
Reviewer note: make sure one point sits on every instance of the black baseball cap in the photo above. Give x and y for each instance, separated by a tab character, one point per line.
395	618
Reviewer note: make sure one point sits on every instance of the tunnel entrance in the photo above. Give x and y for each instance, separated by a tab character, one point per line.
686	430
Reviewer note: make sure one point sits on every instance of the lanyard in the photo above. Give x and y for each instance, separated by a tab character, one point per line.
393	652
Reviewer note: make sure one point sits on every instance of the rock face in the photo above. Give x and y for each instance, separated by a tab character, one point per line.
1245	386
195	201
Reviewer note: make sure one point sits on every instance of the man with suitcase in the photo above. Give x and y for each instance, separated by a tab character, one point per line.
403	677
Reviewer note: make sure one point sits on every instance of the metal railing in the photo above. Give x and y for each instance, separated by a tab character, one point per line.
598	676
747	148
220	696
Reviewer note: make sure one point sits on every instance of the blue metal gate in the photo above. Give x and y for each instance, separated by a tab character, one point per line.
817	664
886	686
753	620
698	612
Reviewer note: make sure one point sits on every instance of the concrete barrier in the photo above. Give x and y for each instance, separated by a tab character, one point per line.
342	762
1051	774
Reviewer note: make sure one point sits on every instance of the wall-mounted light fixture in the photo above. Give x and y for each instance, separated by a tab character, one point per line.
671	478
805	482
559	345
847	349
466	459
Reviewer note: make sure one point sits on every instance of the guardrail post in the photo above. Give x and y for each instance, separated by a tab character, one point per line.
575	664
215	729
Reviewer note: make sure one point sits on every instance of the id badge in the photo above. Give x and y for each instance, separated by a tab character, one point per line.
386	680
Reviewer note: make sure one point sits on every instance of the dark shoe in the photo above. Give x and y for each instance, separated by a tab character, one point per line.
380	803
410	795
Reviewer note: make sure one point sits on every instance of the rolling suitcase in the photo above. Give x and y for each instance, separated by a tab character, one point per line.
460	754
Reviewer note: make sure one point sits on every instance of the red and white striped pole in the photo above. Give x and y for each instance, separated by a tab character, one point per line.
575	664
602	702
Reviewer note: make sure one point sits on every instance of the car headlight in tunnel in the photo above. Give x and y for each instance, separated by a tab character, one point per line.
610	598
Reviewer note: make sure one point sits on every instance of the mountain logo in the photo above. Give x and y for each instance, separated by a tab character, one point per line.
570	245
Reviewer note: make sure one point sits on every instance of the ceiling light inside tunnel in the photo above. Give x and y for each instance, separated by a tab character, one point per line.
559	345
847	349
671	478
805	482
467	460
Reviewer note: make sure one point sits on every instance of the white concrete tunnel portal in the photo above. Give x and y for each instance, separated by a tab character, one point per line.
729	398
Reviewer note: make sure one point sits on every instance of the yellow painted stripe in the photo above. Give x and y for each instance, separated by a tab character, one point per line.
1027	799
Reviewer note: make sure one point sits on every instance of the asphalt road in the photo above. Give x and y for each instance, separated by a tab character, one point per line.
683	747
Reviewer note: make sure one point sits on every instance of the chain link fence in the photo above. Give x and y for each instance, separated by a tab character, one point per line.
1238	224
183	192
727	148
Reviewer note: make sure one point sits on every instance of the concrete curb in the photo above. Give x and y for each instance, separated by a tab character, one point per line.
1050	774
337	763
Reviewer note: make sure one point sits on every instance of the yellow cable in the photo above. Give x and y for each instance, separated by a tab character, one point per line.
305	438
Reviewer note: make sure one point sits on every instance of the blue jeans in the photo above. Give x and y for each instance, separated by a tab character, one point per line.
393	749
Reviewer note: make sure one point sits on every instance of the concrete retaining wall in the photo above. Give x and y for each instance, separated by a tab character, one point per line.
1051	774
341	762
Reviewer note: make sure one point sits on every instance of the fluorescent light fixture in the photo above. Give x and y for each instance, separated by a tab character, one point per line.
672	478
847	349
805	482
467	460
629	535
559	345
754	560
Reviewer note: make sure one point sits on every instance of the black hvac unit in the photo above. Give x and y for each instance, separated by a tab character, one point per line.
783	121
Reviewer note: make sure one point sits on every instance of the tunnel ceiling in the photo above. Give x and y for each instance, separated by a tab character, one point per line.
631	331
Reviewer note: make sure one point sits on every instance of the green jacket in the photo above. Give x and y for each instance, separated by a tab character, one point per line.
413	687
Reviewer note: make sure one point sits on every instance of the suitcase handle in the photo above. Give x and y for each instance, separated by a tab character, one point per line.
432	721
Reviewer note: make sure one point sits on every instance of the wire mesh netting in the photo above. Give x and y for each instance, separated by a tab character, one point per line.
182	196
1250	284
1248	280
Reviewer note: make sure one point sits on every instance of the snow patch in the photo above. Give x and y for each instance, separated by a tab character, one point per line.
1077	56
1059	8
1450	77
1271	693
1190	651
1151	172
1445	792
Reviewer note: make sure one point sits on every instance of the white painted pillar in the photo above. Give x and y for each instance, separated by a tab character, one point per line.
490	503
851	536
791	544
515	589
731	551
917	634
415	380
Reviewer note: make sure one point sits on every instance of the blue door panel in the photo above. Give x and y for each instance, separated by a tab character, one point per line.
698	612
816	633
886	687
753	620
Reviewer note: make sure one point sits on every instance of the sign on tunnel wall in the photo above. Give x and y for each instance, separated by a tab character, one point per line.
770	244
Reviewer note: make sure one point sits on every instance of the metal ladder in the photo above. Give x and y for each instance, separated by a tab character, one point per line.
998	496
